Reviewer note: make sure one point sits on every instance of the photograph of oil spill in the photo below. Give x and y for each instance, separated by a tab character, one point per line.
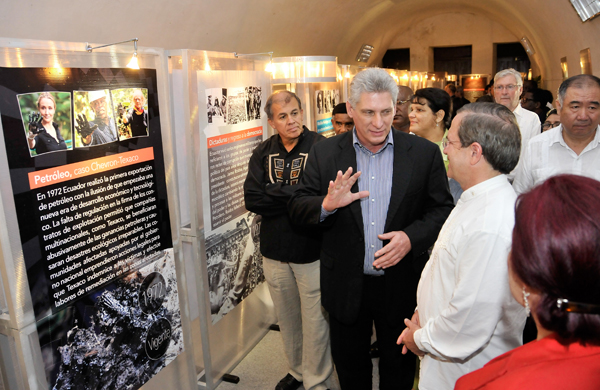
118	337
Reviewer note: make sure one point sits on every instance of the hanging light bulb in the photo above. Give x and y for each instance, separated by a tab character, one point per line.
133	64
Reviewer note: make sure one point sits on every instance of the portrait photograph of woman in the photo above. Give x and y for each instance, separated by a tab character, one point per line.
47	121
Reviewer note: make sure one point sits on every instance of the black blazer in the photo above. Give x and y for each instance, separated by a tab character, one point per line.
420	202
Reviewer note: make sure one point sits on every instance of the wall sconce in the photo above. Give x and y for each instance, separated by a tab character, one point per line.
133	64
364	53
527	46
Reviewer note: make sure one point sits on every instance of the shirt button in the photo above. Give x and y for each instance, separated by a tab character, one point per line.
372	246
372	200
372	177
373	223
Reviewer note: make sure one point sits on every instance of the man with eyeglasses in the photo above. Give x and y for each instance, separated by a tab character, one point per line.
508	86
401	121
465	314
573	146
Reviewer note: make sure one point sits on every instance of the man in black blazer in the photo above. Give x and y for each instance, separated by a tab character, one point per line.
376	230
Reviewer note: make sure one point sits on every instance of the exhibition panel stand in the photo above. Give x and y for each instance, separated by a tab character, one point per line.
91	270
315	80
218	103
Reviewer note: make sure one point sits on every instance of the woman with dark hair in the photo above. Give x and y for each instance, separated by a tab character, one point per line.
430	114
44	134
430	118
554	271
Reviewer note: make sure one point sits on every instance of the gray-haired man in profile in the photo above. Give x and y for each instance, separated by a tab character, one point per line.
466	314
376	229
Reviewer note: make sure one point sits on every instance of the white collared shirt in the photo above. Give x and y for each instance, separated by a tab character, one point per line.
549	155
530	126
466	310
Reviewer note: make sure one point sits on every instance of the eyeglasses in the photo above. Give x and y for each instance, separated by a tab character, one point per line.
550	125
401	102
446	142
509	87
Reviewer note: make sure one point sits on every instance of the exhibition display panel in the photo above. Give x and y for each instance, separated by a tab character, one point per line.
315	80
218	105
92	272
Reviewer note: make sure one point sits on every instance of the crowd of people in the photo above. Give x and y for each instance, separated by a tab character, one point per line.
439	228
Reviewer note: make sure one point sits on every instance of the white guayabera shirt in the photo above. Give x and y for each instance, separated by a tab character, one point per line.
549	155
467	313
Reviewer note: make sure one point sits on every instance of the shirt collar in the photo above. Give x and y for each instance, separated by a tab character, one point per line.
519	110
483	187
356	141
556	136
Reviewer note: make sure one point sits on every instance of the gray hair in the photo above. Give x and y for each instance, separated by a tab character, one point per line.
579	81
509	72
275	98
495	128
372	80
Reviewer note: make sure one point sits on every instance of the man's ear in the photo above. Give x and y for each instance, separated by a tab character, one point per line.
349	109
476	152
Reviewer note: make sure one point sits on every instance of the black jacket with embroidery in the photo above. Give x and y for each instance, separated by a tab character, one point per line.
273	174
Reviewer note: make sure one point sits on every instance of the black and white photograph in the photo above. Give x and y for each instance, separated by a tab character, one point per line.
236	106
326	100
319	101
216	105
253	100
234	264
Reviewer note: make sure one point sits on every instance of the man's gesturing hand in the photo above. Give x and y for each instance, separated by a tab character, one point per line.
338	193
394	251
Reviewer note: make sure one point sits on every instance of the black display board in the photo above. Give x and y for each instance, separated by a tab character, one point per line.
86	167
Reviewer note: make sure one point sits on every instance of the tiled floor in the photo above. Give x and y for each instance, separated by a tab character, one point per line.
265	365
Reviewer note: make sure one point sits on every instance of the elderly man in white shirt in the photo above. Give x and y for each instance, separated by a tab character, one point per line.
465	314
571	147
508	86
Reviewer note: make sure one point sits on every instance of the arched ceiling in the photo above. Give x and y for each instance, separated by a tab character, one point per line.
326	27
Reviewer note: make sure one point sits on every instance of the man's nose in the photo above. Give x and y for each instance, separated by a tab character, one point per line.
378	120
